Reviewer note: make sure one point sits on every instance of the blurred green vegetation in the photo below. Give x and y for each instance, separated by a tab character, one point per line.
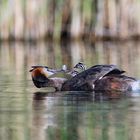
92	19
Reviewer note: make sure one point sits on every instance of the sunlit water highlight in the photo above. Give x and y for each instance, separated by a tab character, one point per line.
29	113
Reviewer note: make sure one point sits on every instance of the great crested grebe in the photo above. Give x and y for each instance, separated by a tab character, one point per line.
95	78
44	76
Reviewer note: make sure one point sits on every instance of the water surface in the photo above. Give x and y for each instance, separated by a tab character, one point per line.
28	113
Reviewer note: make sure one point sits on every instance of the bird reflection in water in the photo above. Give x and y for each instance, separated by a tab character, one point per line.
59	114
82	95
54	112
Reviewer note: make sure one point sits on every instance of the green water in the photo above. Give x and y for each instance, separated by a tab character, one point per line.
28	113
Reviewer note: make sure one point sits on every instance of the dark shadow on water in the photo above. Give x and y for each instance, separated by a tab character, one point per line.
83	96
111	95
69	96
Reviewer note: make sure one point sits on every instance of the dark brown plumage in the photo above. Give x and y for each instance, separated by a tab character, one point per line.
96	78
99	77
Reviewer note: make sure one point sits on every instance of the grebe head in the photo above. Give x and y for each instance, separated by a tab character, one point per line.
44	70
43	76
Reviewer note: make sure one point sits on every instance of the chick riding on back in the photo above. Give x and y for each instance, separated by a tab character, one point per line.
78	68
